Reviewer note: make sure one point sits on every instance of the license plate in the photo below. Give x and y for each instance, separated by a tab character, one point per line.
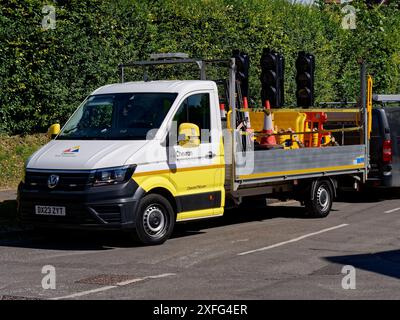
50	210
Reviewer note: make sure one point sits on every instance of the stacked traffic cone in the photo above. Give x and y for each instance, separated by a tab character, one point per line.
222	111
269	139
249	130
246	113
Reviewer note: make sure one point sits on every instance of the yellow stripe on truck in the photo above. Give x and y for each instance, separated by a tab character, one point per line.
151	173
293	172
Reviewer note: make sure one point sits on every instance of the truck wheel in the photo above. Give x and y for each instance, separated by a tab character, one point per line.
155	220
320	202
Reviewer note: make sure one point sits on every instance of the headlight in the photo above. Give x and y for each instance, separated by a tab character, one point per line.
110	176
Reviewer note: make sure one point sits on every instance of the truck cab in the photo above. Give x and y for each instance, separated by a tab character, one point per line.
137	151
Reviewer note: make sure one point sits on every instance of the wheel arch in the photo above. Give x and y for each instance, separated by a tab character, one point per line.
332	183
167	195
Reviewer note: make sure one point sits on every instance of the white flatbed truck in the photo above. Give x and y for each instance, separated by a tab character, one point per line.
119	162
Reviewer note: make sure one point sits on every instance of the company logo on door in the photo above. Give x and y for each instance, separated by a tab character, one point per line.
71	151
182	154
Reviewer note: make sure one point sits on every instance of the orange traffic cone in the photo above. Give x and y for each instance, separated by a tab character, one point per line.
268	129
222	111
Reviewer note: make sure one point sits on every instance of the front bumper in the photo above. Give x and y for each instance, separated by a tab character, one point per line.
98	208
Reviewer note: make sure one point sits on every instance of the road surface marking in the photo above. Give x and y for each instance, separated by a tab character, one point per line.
292	240
393	210
119	284
164	275
84	293
240	240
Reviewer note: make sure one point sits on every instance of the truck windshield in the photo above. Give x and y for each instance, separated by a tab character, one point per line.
119	116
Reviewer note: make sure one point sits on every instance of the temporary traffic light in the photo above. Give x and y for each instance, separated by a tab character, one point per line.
242	61
272	78
305	65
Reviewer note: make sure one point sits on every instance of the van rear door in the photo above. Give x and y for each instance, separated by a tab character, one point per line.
377	138
393	118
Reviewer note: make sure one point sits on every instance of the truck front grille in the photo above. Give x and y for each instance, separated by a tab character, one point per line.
68	181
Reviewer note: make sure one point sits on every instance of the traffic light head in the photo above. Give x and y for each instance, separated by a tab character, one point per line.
272	78
305	65
242	62
269	59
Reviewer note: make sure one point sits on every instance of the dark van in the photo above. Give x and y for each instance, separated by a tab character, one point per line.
385	142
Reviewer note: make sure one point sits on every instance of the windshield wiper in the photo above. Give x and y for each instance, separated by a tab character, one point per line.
69	130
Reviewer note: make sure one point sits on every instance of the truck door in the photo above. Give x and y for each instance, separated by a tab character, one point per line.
197	168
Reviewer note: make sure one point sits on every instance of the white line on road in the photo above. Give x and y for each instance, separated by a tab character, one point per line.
292	240
84	293
124	283
119	284
393	210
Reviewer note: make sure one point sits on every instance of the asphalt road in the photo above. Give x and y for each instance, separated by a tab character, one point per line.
252	253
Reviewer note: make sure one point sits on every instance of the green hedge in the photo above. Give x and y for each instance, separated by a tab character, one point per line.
14	151
45	74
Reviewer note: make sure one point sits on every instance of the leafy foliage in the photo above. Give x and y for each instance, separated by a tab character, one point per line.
14	151
45	74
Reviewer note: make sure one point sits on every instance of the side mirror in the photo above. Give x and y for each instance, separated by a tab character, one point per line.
54	130
188	135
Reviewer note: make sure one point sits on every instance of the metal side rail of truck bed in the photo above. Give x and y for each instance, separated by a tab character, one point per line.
280	165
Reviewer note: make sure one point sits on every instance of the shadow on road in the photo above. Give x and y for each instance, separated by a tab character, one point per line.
369	195
75	240
8	210
386	263
63	240
96	240
240	215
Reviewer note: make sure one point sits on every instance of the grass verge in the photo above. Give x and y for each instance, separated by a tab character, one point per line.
14	151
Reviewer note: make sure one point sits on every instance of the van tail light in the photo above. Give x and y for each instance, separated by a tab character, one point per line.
387	152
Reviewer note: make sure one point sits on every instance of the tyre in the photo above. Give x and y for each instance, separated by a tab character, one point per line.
319	202
155	220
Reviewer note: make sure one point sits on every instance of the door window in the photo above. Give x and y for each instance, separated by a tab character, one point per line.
376	129
196	109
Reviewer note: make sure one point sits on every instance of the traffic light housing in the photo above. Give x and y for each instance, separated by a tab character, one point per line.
242	62
272	78
305	66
